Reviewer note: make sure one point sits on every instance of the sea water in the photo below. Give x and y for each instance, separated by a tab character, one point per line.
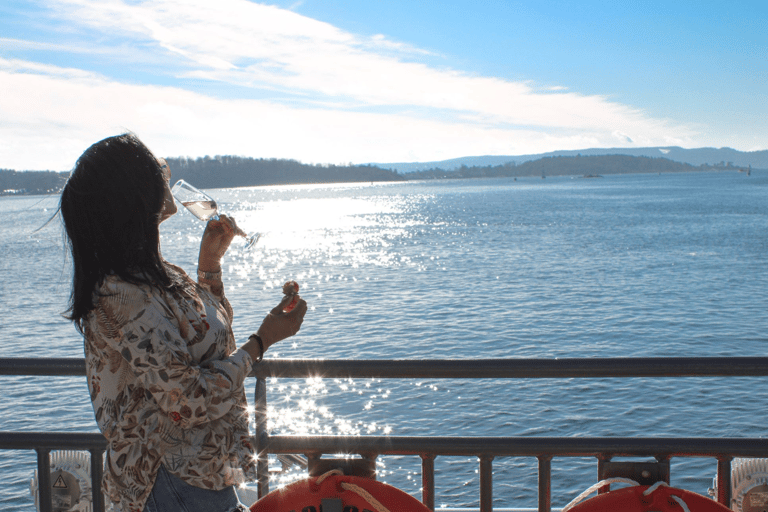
620	266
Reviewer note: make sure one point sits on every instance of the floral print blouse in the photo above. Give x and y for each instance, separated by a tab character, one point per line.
167	385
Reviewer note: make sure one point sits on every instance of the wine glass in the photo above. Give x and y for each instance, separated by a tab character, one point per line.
204	207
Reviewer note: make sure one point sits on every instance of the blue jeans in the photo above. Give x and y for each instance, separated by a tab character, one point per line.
171	494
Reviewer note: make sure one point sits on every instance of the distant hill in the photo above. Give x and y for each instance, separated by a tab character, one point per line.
585	166
234	171
229	171
31	182
216	172
707	156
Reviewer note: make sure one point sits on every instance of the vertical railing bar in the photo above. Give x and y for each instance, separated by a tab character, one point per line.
486	483
601	460
97	471
428	480
545	483
724	481
44	480
262	436
665	458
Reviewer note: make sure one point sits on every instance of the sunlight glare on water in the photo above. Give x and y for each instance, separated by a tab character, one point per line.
299	413
349	231
626	266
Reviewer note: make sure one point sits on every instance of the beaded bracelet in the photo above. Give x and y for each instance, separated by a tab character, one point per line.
261	346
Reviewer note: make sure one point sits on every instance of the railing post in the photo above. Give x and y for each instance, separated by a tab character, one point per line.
262	436
545	483
724	481
601	460
486	483
97	471
44	479
428	480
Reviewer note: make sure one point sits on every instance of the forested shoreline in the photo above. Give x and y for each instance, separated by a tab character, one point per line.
233	171
590	166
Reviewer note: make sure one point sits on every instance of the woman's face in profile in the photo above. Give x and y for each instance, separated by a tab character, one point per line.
169	205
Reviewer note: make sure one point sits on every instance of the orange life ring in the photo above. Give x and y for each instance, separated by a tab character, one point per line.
348	494
661	498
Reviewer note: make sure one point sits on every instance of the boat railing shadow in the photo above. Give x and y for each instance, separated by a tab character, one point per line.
485	449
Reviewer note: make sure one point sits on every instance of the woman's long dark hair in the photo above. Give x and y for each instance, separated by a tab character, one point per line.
111	208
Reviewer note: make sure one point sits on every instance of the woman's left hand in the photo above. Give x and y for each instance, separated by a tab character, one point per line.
216	239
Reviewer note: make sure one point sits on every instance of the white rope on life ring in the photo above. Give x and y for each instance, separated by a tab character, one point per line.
650	490
678	499
355	489
578	499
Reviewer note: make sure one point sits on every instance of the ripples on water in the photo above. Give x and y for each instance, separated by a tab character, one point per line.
617	267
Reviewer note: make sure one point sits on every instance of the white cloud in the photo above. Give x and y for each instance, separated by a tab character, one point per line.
335	87
63	111
243	43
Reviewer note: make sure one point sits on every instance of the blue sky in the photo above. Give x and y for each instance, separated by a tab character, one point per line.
341	81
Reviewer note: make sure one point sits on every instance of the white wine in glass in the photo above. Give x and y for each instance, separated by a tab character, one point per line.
204	207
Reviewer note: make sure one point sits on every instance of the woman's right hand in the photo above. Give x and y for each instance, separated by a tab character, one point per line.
217	236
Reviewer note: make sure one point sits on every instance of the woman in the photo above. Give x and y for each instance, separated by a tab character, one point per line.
164	373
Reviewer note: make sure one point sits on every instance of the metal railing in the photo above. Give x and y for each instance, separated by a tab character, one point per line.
427	448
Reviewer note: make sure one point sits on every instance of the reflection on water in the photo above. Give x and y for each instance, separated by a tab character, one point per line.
620	267
300	414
